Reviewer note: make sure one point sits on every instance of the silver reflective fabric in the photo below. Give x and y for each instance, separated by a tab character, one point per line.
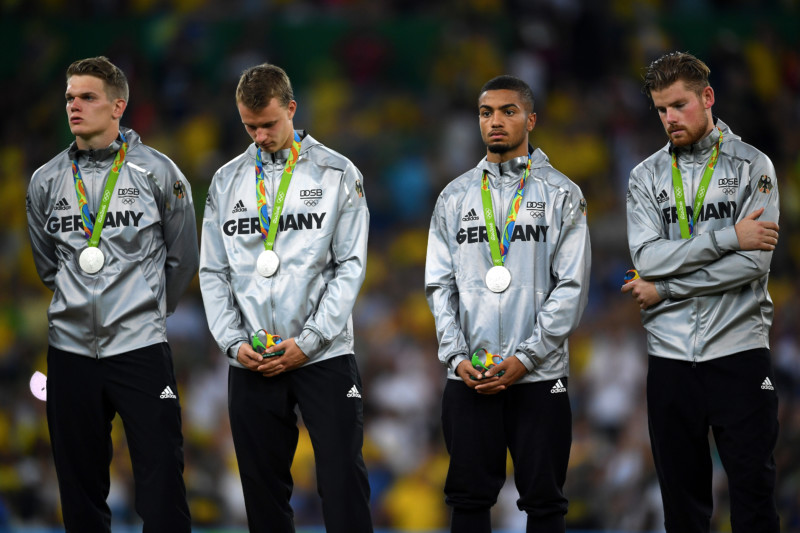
715	295
549	259
321	242
149	240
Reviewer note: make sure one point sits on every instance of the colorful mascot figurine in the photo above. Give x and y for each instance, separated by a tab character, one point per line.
263	340
490	361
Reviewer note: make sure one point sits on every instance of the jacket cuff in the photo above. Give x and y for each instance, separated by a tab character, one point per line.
310	342
662	288
455	360
525	360
727	240
233	349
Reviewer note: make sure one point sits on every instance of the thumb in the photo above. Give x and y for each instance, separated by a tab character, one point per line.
755	214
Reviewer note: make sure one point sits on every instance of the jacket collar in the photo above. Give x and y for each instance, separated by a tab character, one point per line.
100	154
510	172
103	154
281	156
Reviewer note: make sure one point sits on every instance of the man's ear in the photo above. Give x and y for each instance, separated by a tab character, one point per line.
531	121
119	108
707	97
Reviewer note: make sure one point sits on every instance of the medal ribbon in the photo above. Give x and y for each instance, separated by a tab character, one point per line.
687	227
83	205
269	225
500	250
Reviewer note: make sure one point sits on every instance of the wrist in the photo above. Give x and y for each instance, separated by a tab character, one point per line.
456	360
233	350
309	342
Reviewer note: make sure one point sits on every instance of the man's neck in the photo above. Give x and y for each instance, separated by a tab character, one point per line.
494	157
97	142
289	141
711	127
701	138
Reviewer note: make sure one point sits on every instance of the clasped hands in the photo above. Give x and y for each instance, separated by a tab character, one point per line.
269	366
489	382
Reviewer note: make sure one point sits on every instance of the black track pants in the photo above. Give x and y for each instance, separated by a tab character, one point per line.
531	420
734	396
264	427
83	395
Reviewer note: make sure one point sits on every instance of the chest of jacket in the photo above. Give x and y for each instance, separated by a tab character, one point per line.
133	209
306	224
531	242
727	189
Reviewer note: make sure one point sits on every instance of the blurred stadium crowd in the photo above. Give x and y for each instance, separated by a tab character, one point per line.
393	85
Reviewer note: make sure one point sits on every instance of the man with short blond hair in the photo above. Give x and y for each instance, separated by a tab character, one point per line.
284	249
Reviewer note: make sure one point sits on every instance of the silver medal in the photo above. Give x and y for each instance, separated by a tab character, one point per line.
91	260
498	278
267	263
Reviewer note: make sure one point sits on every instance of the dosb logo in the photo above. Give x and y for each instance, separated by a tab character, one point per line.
536	209
311	197
728	185
129	195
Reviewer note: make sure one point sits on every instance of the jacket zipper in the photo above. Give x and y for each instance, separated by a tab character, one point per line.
271	317
501	187
93	292
696	304
94	319
694	344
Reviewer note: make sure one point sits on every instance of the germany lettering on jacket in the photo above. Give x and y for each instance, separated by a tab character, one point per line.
707	212
526	232
114	219
300	221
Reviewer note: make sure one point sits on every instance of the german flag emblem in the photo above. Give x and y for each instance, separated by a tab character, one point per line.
765	184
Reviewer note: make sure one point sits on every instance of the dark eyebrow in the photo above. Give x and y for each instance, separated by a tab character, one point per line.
504	106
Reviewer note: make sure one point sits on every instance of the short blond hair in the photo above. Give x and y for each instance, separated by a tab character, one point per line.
260	84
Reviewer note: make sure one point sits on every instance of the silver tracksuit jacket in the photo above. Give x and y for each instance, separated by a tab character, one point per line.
549	259
149	239
321	242
715	300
